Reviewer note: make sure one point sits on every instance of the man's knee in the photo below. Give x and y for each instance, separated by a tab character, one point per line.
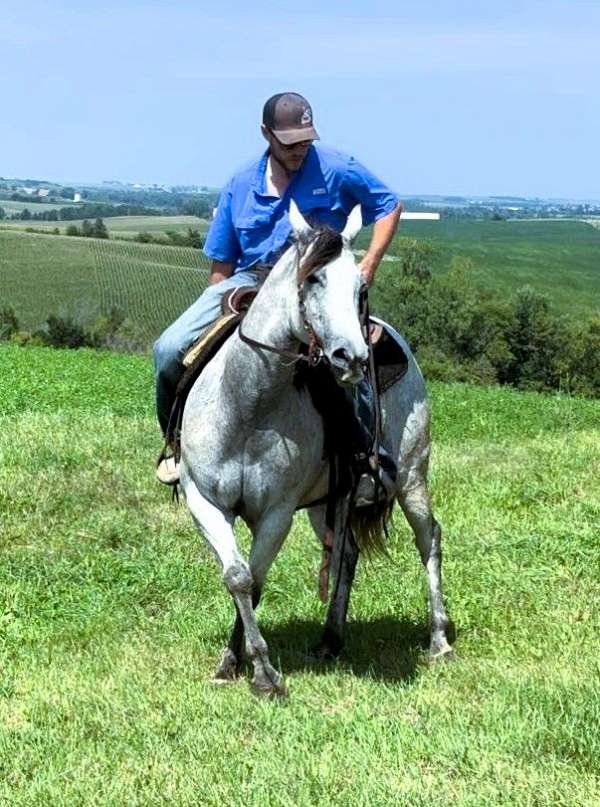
167	354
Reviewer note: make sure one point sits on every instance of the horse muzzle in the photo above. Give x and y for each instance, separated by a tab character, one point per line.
349	370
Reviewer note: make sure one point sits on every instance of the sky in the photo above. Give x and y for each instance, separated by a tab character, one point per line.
466	98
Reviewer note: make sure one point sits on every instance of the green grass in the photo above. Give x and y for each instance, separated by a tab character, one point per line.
113	617
83	277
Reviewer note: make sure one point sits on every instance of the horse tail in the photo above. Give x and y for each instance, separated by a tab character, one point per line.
370	527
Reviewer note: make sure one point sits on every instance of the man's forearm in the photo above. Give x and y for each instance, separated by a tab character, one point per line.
383	232
220	271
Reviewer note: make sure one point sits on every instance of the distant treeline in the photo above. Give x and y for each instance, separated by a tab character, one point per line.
82	211
187	204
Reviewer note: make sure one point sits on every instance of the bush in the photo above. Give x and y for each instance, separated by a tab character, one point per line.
9	324
64	332
73	229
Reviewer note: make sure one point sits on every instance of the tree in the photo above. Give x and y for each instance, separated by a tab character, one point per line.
25	214
87	230
73	229
2	213
99	229
195	238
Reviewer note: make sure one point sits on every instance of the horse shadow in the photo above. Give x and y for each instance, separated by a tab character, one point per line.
385	648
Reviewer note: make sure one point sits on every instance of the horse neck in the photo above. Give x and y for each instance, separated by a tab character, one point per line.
252	377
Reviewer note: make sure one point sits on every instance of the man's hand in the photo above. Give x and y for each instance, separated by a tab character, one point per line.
220	271
383	232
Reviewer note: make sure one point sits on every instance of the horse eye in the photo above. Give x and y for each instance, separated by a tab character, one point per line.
312	279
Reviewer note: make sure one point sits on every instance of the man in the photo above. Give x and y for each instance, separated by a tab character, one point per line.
251	228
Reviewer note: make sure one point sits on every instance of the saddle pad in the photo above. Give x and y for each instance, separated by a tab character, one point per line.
205	344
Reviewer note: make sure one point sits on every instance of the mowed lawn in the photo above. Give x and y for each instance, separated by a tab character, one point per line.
113	617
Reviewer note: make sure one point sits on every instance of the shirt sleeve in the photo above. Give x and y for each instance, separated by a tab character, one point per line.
360	186
222	242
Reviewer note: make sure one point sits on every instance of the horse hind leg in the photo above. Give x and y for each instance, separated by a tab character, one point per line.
229	667
415	502
218	530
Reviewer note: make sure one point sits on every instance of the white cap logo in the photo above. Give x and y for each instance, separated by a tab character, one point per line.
306	117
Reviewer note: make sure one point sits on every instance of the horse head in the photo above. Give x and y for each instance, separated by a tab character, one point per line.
329	283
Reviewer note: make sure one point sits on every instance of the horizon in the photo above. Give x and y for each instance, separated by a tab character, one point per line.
500	101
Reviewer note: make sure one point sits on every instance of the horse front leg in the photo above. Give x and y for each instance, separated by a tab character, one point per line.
237	577
415	502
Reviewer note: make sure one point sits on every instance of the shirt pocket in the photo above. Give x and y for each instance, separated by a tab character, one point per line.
253	230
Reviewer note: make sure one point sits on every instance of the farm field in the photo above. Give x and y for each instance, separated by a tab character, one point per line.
113	617
41	274
126	226
84	277
559	258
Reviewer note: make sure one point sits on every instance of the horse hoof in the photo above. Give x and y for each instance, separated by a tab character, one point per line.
275	692
269	686
325	652
228	670
441	655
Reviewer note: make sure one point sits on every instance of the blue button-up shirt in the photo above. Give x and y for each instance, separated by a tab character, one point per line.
251	226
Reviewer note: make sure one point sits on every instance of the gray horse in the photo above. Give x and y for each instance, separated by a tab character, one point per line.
252	442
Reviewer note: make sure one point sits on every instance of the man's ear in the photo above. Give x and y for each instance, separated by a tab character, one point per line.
353	225
299	224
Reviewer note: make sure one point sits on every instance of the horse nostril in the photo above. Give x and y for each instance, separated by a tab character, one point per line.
341	354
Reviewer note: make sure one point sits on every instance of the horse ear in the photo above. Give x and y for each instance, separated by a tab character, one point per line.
353	225
299	224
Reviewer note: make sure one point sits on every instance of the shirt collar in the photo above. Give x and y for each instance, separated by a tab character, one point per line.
310	170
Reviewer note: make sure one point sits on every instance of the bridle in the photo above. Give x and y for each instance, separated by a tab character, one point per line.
315	353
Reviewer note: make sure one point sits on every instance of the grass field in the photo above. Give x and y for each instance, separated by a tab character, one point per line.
113	618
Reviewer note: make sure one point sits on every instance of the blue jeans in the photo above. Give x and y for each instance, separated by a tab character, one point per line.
172	344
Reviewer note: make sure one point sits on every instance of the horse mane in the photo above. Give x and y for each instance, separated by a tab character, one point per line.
325	245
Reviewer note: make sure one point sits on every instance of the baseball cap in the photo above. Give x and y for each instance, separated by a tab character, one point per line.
289	116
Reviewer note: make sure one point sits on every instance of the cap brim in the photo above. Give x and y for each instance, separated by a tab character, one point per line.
290	136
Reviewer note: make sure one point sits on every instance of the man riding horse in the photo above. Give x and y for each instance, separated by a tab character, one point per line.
251	230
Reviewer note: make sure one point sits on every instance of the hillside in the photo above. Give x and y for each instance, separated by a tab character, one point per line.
83	277
559	258
113	617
